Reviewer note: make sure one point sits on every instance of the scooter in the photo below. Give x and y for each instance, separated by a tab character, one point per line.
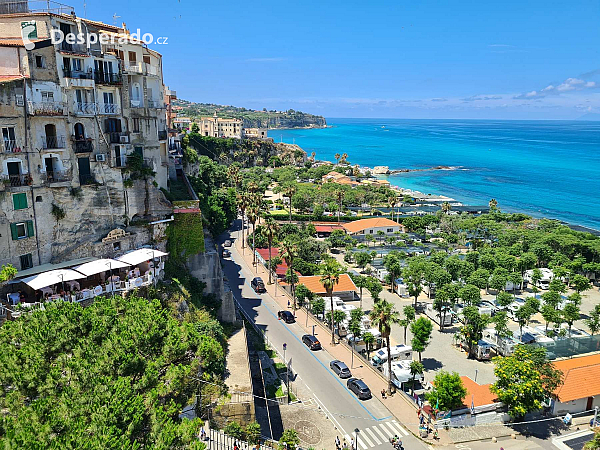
397	444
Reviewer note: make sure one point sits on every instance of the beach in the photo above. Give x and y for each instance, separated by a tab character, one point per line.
541	168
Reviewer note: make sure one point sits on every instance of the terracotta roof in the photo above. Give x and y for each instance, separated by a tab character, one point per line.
334	174
327	228
264	252
479	393
313	283
16	42
7	78
363	224
581	377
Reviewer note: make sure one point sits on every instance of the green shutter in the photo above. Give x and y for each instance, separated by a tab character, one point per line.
13	231
30	228
20	201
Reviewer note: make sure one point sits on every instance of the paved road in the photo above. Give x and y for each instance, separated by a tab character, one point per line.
371	417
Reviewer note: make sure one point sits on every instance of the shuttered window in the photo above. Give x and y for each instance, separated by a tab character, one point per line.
21	230
20	201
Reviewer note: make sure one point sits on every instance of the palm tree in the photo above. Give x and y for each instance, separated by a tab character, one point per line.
340	197
289	192
446	207
344	157
288	252
361	282
392	203
337	157
243	200
312	156
493	205
330	276
271	228
369	340
383	316
253	213
292	279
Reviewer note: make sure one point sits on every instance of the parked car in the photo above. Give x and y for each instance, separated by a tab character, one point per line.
360	388
226	253
258	285
340	369
227	243
286	316
311	342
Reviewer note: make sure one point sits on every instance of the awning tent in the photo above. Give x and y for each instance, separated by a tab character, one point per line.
99	266
53	277
140	256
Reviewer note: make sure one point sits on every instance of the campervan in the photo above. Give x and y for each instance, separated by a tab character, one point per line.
360	346
437	317
504	346
401	373
544	282
398	353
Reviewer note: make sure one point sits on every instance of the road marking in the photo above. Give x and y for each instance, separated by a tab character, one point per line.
430	447
383	436
397	425
391	428
348	440
386	431
373	436
363	445
363	437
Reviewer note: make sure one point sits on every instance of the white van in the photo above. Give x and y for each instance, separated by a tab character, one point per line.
401	373
436	317
398	353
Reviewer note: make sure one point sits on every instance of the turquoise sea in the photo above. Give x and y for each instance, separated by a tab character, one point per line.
543	168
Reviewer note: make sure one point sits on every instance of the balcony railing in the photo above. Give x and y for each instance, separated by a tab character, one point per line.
133	67
57	176
84	108
150	69
83	146
137	103
17	180
108	108
46	108
10	146
72	48
118	137
107	78
153	104
162	135
52	142
79	74
85	180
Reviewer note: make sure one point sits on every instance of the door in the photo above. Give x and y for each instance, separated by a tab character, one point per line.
14	168
50	136
118	157
85	174
590	402
49	163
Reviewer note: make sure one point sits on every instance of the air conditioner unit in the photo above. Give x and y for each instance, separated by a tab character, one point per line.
19	100
124	139
100	157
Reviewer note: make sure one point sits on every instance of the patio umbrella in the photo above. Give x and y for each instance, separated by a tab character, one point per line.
141	255
99	266
46	279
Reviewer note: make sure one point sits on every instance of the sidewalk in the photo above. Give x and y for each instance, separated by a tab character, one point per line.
403	409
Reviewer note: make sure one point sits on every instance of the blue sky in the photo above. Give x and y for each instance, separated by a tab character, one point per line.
410	59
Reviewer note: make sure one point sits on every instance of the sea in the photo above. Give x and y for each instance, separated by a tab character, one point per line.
542	168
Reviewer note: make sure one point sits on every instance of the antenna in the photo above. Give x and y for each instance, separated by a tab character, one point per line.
115	17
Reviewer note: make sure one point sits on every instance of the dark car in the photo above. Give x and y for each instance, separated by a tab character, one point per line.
227	243
311	342
258	285
359	388
286	316
340	369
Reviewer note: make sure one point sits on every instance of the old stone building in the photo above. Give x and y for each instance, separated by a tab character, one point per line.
84	138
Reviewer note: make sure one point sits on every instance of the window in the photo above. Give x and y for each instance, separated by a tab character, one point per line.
77	65
390	230
132	57
116	246
38	199
136	125
370	231
26	261
146	59
21	230
139	150
40	62
20	201
108	98
47	96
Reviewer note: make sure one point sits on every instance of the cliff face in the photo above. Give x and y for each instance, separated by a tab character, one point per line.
298	120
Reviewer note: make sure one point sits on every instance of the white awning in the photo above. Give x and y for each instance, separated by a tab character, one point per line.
53	277
141	255
99	266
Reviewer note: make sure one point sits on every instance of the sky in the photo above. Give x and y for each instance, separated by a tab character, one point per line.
395	59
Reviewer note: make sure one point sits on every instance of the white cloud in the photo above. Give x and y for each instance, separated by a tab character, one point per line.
570	84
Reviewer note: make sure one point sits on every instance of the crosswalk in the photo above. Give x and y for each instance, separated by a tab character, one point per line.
377	434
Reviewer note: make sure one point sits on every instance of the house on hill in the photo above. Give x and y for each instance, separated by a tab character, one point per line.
580	390
365	227
344	289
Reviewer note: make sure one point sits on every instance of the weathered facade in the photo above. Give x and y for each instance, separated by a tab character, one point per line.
73	118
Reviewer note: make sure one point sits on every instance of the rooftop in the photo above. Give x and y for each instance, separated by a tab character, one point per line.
313	283
581	377
363	224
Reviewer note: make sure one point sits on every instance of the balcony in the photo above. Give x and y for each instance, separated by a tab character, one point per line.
17	180
78	74
136	103
156	104
151	70
84	108
56	177
65	47
162	135
108	108
107	78
10	146
133	67
83	146
77	78
118	137
46	108
52	142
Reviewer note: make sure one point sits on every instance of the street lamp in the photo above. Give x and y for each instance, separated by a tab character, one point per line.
287	373
356	431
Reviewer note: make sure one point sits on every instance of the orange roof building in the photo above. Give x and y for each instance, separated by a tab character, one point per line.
345	287
580	390
478	394
372	226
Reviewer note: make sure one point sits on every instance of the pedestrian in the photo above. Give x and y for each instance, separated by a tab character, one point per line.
383	393
337	443
202	434
352	443
288	302
435	434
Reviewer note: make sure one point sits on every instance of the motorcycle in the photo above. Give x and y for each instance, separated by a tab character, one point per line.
397	444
